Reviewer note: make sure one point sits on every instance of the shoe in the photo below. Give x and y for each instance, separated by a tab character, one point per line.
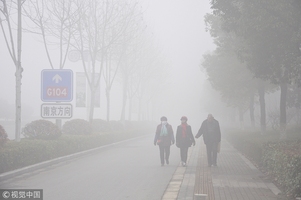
214	165
184	164
167	161
209	165
162	165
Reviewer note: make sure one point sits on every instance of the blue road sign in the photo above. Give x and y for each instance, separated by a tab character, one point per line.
57	85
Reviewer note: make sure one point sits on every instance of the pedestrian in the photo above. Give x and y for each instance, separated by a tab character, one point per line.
184	139
164	138
212	137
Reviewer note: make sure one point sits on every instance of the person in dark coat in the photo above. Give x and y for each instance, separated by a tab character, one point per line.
164	138
212	136
184	139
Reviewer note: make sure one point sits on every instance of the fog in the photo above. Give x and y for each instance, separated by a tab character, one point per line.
178	31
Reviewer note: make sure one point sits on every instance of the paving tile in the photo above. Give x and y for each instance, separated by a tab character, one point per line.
235	178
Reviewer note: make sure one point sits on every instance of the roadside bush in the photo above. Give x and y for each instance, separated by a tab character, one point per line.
101	126
41	129
279	159
116	126
282	161
3	136
77	127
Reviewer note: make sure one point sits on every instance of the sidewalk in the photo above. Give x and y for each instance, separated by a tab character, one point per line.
235	178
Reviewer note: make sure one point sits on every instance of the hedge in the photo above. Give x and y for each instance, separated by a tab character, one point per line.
279	159
282	161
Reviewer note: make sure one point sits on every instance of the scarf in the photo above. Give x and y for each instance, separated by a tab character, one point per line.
184	127
164	131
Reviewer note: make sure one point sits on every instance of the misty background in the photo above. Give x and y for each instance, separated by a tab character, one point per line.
161	58
177	30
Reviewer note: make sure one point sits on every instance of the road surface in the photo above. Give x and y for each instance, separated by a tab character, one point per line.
126	170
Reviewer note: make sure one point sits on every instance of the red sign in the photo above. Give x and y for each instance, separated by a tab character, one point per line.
53	92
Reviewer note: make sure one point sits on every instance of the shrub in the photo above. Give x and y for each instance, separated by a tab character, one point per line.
116	126
77	127
99	125
41	129
3	136
282	160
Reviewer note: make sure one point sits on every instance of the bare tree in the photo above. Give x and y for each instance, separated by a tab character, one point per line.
112	64
121	51
141	74
15	49
100	26
151	82
91	27
53	21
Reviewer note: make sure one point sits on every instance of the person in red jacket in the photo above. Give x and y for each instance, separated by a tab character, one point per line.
184	139
164	138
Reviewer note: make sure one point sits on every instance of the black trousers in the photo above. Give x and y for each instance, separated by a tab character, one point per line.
184	152
164	150
212	153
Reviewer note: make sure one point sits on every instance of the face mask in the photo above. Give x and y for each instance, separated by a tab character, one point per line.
164	122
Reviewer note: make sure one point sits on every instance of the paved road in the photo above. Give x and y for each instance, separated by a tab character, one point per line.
126	170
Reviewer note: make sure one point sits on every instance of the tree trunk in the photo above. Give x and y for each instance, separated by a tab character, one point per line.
124	98
140	109
130	108
252	118
241	118
18	75
92	103
261	93
283	96
108	103
18	104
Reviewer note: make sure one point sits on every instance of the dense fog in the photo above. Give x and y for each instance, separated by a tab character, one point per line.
146	59
175	30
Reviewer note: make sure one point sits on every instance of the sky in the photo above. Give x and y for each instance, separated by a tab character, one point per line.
179	30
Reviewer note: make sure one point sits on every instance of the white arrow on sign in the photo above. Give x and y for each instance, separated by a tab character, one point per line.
57	78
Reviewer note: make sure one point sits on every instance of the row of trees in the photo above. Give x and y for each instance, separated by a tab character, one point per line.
258	51
110	34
